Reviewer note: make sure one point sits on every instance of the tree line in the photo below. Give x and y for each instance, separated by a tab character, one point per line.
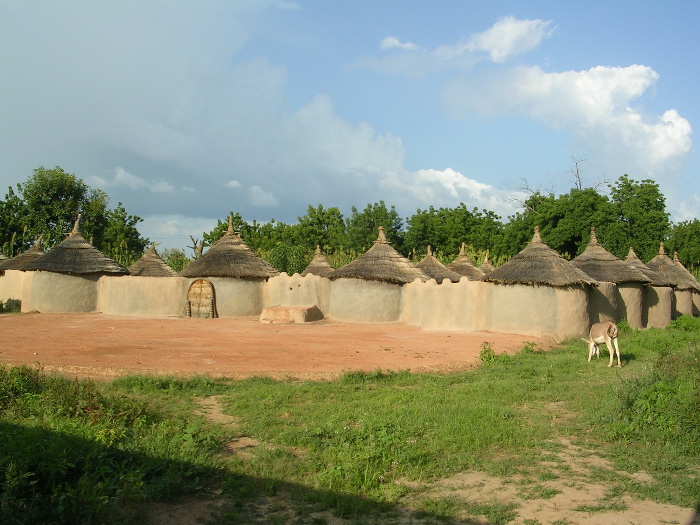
632	214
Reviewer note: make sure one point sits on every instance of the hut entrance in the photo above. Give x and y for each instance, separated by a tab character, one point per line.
201	301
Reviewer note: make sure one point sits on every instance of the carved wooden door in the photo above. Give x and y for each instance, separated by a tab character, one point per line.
201	300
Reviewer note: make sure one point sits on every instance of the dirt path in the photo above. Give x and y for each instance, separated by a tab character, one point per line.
97	345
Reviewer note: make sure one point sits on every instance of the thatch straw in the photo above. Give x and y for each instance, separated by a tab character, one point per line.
230	257
381	263
689	275
436	270
655	278
18	261
74	255
537	264
463	265
486	266
151	265
665	266
602	265
319	265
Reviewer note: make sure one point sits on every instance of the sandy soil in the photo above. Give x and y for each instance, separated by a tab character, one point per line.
103	346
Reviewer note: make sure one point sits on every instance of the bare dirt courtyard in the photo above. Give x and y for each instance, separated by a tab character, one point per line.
103	346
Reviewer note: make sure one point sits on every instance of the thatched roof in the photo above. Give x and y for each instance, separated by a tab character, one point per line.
665	266
689	275
151	265
656	278
537	264
436	270
602	265
319	265
230	257
463	265
74	255
486	266
18	261
381	263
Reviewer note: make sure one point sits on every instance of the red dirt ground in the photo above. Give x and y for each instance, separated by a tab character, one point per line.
105	346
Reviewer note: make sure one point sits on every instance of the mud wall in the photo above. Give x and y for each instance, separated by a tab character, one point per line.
657	309
295	290
630	303
143	296
683	303
11	284
236	297
48	292
360	301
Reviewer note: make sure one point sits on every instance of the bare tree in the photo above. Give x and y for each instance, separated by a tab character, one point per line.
197	247
531	192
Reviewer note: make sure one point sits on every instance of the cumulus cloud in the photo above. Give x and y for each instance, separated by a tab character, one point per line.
124	178
260	198
597	105
508	37
233	184
391	42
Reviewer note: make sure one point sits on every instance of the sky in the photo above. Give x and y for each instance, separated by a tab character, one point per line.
187	110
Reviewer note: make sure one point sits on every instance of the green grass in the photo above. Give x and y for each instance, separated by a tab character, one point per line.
359	447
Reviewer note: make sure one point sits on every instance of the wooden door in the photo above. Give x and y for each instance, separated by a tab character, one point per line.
201	300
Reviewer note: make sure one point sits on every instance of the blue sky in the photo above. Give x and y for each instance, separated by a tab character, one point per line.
184	111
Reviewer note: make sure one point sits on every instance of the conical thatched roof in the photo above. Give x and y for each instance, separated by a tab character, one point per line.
668	269
381	263
537	264
151	265
689	275
656	278
319	265
18	261
230	257
463	265
436	270
602	265
486	266
74	255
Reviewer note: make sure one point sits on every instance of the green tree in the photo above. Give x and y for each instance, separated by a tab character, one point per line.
175	258
321	227
120	239
641	218
685	239
362	226
13	233
48	203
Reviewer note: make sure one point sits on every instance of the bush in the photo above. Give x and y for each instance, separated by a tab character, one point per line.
11	306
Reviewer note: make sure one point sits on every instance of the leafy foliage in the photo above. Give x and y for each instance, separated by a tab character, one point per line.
48	203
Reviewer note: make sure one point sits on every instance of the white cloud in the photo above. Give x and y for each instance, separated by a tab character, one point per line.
391	42
448	187
260	198
508	37
233	184
123	178
596	105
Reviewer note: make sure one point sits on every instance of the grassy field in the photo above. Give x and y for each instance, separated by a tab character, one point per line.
366	448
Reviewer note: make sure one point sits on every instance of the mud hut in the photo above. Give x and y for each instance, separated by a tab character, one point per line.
684	287
151	265
66	278
538	291
319	265
657	304
692	279
436	270
18	261
369	289
486	266
227	280
463	265
622	298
